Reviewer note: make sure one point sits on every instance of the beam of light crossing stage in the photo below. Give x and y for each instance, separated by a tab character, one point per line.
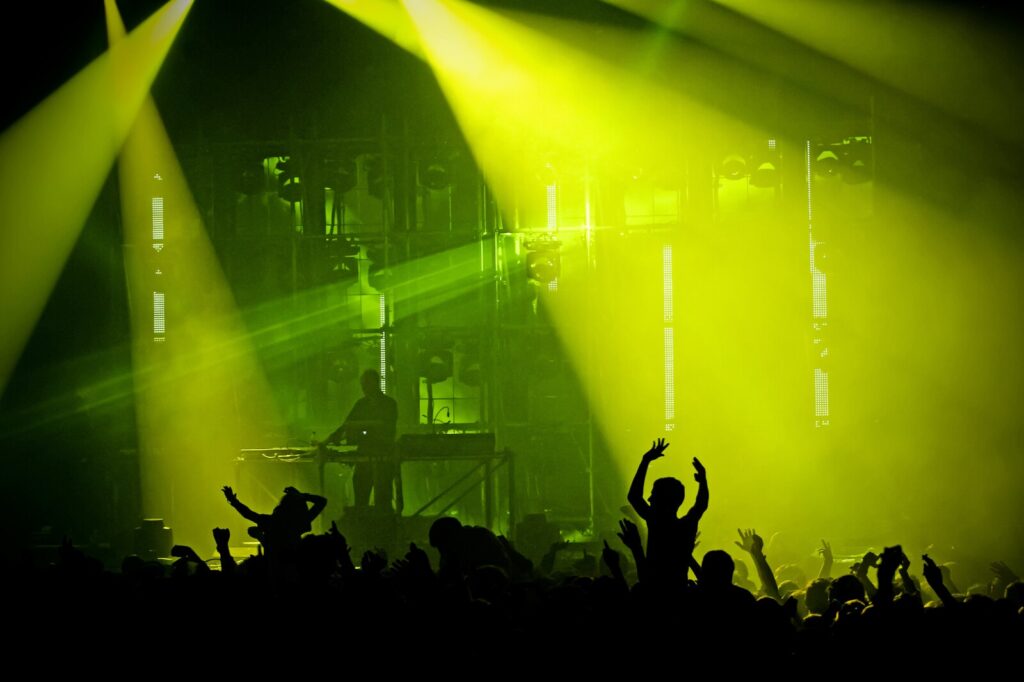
286	328
420	284
55	159
524	98
200	394
814	81
728	32
940	53
386	17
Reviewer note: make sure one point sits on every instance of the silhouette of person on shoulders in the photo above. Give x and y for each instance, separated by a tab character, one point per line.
670	539
281	530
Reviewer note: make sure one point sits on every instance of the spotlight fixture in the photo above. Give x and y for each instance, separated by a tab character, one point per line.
857	161
435	365
343	176
827	163
543	260
765	175
342	259
732	167
434	174
378	275
289	185
470	372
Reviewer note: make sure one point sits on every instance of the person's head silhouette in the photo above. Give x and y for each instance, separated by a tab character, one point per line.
370	383
667	495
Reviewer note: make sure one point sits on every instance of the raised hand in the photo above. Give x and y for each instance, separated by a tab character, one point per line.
612	558
229	494
221	536
657	450
1003	572
750	541
291	490
701	476
891	558
630	535
825	551
932	573
870	560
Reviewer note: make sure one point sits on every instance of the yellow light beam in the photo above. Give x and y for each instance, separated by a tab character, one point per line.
525	100
529	95
200	394
939	53
730	33
288	325
54	162
386	17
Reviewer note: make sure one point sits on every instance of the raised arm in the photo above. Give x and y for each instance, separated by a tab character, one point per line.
630	536
826	560
318	501
222	537
909	586
933	574
612	560
888	564
752	543
232	499
636	488
870	560
700	505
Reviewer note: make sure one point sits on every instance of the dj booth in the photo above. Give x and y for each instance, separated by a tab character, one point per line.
478	449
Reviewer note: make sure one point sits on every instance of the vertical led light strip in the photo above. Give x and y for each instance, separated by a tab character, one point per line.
552	205
383	343
159	319
158	219
819	309
159	305
668	316
821	394
819	292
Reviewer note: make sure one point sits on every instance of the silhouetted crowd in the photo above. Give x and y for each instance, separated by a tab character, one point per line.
652	604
